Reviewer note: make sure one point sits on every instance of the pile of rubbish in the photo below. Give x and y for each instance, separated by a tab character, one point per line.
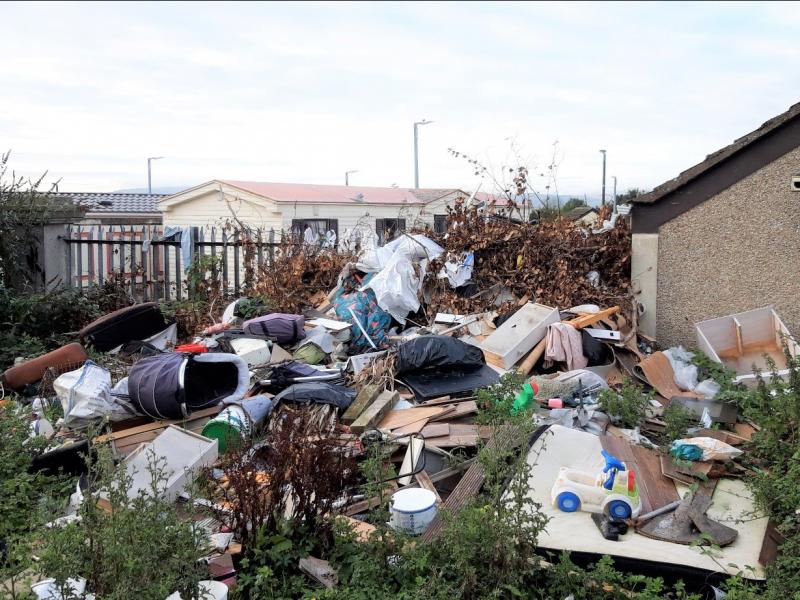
376	360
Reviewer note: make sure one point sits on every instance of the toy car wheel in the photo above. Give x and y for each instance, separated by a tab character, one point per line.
568	501
617	509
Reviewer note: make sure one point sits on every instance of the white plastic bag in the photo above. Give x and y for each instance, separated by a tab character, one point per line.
85	395
396	288
713	449
458	272
685	374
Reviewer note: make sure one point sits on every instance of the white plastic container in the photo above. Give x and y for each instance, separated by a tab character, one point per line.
186	454
412	510
47	589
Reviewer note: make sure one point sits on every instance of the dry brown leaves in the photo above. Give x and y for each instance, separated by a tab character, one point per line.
297	273
548	262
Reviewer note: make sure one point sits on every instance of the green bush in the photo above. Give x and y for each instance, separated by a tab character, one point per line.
628	407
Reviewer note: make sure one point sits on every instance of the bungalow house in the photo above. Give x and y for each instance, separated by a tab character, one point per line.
723	236
294	207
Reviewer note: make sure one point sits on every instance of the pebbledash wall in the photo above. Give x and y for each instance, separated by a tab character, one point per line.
736	251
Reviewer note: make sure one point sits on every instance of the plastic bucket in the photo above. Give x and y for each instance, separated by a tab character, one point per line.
47	589
209	590
228	427
412	510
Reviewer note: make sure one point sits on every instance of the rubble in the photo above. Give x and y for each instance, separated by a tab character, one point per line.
391	349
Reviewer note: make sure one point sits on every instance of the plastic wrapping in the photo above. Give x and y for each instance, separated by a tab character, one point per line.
438	352
712	449
85	396
396	287
321	393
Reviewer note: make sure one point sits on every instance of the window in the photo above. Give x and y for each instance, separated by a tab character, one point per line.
440	223
387	229
319	227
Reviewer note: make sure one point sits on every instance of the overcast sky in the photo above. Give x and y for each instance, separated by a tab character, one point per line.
305	92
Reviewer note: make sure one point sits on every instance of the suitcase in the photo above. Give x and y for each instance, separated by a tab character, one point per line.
284	329
137	322
18	376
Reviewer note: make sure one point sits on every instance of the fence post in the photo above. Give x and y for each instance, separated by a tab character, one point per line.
236	247
79	253
69	256
271	246
100	263
225	261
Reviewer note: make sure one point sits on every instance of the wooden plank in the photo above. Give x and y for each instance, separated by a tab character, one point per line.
415	427
413	453
592	318
655	490
122	433
769	547
432	430
406	416
425	482
457	411
362	529
470	485
362	505
515	338
684	474
365	397
375	412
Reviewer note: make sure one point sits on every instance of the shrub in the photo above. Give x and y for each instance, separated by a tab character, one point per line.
628	407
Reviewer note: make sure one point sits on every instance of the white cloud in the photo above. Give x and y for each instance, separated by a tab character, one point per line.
293	92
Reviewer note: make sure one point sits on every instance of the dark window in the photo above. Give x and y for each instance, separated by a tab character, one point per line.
387	229
319	228
440	223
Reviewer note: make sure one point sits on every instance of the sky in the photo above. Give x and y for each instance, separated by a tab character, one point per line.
304	92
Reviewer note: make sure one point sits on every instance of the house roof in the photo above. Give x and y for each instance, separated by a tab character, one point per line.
720	156
339	194
580	211
100	202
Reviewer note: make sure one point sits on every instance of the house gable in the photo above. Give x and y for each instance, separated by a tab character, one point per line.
718	172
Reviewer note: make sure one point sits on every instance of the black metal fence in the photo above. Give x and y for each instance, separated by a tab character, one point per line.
155	268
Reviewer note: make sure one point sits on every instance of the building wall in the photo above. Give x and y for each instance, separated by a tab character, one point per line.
209	209
737	251
349	215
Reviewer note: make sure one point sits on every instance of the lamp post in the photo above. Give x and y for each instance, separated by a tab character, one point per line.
347	176
604	177
614	177
416	150
149	177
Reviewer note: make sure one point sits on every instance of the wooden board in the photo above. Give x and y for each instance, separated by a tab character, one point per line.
658	371
432	430
456	411
655	490
406	416
375	412
425	482
470	484
686	475
365	397
415	427
518	335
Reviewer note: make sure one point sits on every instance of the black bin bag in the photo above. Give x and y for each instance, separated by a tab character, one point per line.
438	352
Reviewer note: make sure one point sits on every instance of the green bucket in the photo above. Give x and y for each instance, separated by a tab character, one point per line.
228	428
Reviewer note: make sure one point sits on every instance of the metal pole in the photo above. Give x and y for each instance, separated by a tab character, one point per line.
149	178
416	157
614	177
347	176
416	150
604	177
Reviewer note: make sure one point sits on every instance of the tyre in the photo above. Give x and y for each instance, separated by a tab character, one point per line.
568	502
619	510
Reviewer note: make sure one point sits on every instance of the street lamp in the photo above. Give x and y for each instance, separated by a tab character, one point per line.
614	177
604	176
347	176
416	150
149	179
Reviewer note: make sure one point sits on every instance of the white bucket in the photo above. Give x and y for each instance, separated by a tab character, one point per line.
47	589
412	510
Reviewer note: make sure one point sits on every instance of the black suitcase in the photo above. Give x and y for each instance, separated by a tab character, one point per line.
137	322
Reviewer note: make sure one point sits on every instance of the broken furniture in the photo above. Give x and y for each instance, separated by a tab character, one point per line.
67	357
183	454
137	322
745	341
518	335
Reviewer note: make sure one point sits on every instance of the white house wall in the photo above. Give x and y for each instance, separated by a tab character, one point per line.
209	209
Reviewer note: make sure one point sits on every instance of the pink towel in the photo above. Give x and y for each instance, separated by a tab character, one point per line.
564	344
